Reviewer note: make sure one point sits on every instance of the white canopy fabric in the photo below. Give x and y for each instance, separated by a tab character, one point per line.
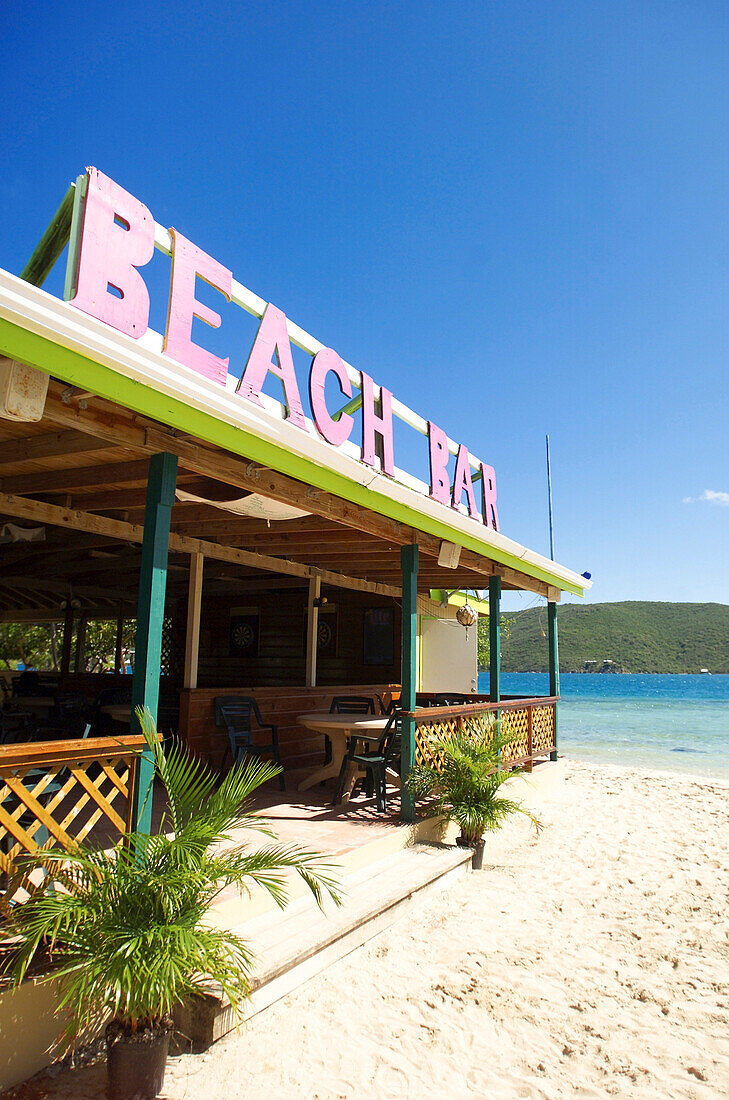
10	532
254	505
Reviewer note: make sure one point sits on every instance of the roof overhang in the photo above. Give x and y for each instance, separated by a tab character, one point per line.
51	335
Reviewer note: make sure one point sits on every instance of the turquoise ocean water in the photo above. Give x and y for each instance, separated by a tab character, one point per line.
671	723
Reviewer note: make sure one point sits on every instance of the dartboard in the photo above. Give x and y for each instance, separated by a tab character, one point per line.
324	637
243	635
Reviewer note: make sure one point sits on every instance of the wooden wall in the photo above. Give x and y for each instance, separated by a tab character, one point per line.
300	748
282	640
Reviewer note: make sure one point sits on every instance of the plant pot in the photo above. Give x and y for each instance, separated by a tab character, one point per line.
476	847
477	857
135	1062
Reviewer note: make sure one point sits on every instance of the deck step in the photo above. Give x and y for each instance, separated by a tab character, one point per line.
299	942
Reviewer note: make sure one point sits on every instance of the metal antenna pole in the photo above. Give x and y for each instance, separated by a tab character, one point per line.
551	518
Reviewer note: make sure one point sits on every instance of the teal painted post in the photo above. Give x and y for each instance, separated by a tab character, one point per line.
553	665
495	639
409	565
150	616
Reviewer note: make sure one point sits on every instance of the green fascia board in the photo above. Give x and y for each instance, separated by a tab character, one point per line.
78	370
459	599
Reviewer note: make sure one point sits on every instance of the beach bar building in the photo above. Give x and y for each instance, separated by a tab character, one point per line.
243	515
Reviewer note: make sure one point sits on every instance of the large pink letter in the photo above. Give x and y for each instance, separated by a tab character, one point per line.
334	431
118	237
382	424
440	483
462	480
189	261
272	339
490	514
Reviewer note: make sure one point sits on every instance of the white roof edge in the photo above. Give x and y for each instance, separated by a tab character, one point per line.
36	310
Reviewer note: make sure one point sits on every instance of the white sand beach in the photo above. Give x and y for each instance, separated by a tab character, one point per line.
590	961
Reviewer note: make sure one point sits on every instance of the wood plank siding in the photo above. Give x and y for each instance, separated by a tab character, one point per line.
300	748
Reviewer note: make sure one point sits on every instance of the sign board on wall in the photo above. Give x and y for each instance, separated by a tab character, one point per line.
113	238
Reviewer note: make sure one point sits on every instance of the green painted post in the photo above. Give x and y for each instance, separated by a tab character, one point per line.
553	665
495	639
150	615
409	564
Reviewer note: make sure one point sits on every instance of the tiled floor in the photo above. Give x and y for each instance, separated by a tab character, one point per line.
308	817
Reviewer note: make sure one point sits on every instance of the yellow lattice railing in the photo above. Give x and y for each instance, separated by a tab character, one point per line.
528	725
54	794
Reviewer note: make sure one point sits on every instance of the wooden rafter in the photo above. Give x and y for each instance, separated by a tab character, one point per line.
128	532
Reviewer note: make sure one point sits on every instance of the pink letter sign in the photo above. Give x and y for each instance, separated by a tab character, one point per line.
272	339
334	431
440	484
189	261
490	514
118	237
462	480
372	423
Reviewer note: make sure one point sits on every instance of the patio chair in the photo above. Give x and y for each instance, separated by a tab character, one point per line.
389	708
352	704
376	756
347	704
16	726
236	712
121	695
451	699
72	712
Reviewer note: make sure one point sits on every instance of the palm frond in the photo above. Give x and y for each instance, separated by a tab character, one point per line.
128	928
462	780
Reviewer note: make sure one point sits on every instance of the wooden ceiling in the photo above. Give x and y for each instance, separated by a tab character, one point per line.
81	474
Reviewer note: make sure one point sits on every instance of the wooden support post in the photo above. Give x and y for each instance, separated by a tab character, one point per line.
194	608
150	616
553	665
119	640
409	564
80	644
67	639
312	629
495	639
530	739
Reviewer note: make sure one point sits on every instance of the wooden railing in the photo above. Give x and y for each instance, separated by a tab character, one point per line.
528	724
53	794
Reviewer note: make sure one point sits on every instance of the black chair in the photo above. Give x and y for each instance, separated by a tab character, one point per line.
102	724
380	752
17	726
32	682
352	704
390	708
347	704
451	699
71	713
236	712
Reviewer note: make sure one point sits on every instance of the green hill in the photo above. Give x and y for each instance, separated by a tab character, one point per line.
636	637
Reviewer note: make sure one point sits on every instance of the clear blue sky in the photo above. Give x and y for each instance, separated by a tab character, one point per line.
513	214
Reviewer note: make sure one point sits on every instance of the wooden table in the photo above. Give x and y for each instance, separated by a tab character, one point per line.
39	704
338	728
118	712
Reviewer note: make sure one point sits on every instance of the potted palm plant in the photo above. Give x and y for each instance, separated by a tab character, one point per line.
127	929
462	782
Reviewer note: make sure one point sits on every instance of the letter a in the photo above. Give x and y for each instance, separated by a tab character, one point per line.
462	481
272	339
